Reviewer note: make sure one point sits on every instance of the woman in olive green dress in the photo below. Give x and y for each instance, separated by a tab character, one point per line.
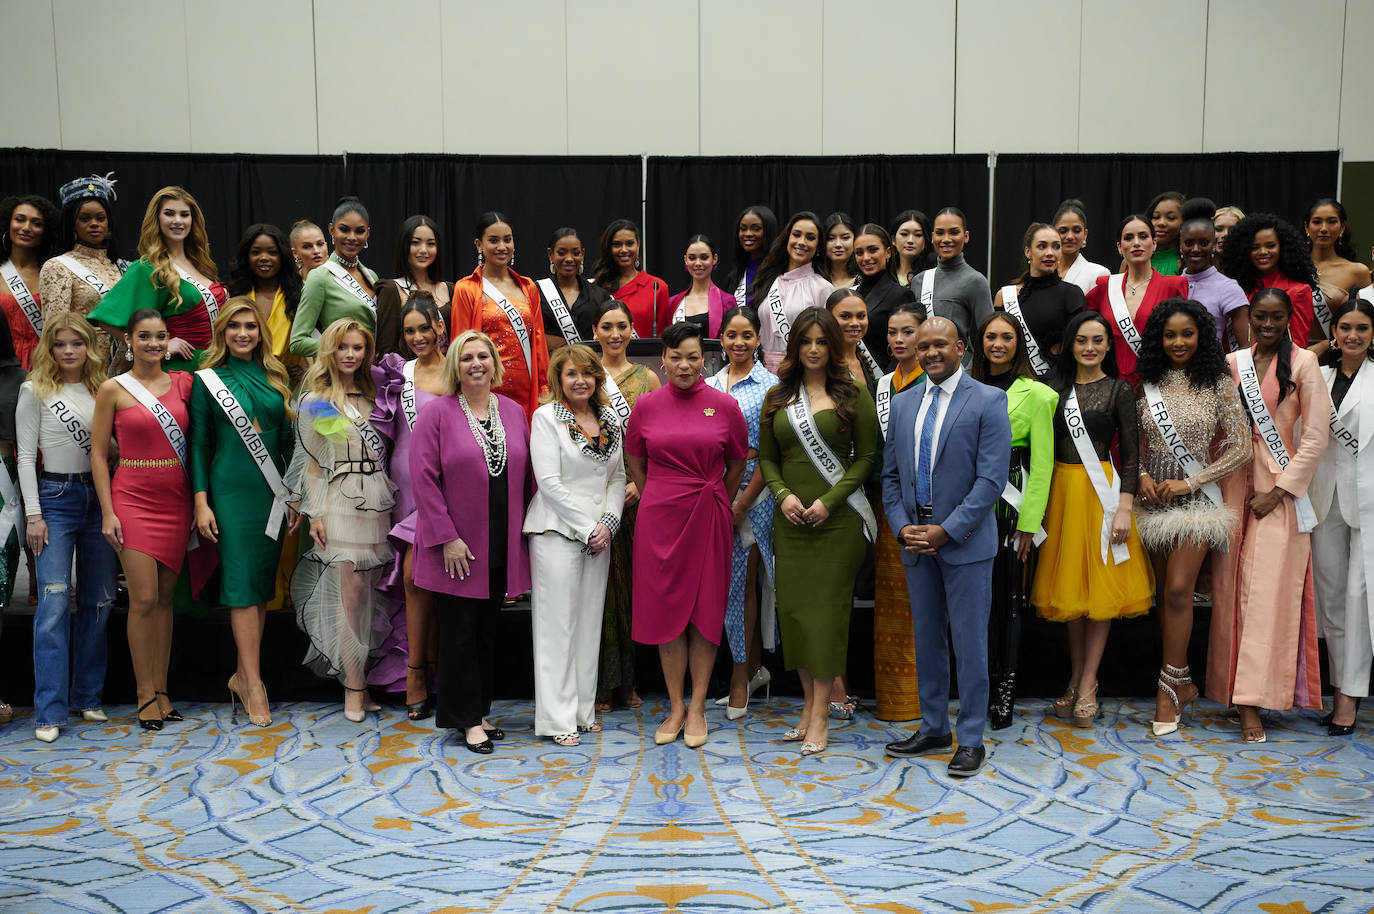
239	412
813	421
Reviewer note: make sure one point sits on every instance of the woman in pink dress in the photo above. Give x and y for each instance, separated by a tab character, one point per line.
686	445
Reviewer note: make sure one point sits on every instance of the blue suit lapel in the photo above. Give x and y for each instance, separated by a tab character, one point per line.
957	401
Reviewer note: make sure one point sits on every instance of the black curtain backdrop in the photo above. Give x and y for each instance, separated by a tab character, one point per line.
1029	188
705	194
537	194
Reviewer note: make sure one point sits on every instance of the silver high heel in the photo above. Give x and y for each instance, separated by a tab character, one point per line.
1171	679
760	680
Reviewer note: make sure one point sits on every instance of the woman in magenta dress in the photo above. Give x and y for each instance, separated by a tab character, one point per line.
147	508
686	445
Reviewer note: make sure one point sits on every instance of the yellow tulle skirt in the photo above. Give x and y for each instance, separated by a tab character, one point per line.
1071	580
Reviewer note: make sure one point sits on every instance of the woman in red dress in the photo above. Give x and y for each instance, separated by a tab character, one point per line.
504	305
28	234
147	508
1141	287
617	271
686	445
1266	252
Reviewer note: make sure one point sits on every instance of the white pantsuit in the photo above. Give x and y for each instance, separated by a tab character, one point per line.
579	488
1340	568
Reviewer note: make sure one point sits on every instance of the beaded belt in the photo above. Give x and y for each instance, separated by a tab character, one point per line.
150	464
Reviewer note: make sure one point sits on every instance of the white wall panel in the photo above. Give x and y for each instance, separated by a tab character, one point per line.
29	110
1357	83
513	54
122	75
759	59
1162	56
888	85
1273	74
1006	51
632	77
379	76
252	87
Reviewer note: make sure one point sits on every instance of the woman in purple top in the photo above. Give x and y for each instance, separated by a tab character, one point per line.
686	445
471	480
403	388
1221	295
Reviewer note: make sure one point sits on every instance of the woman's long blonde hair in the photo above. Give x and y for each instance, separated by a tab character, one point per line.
153	249
46	374
217	353
322	379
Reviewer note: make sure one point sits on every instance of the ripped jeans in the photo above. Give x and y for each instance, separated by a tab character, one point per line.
69	645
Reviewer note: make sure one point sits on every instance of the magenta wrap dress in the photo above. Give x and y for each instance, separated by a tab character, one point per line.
389	419
682	552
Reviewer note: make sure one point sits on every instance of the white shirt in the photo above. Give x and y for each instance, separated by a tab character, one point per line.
947	388
37	429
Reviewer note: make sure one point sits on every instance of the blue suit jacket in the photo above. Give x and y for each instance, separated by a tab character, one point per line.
969	471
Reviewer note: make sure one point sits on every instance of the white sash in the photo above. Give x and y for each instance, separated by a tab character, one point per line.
83	273
1342	437
774	306
1109	493
10	513
882	401
1121	316
824	460
1322	311
372	441
408	394
1012	305
169	425
211	305
560	310
1168	430
873	367
741	299
26	301
71	422
517	323
618	401
1268	431
252	440
346	280
1367	293
928	291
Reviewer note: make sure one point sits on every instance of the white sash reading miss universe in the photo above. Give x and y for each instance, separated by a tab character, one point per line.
1268	431
559	309
408	394
1109	493
517	322
21	294
1121	315
1012	305
824	460
1168	430
83	274
252	440
211	306
345	279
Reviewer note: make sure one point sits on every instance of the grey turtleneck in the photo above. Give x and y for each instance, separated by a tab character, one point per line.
961	294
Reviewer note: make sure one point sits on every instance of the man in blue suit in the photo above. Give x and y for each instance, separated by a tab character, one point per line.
944	467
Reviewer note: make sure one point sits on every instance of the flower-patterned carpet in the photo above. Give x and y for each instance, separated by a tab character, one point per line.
319	814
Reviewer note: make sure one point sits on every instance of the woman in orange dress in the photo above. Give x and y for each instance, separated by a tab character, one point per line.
505	306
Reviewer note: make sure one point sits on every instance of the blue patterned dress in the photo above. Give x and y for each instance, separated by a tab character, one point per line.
749	393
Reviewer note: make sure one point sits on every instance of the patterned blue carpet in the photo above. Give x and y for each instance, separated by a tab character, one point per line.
319	814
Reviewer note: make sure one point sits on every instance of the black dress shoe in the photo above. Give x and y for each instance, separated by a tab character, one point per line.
174	714
967	761
485	747
494	733
1335	729
1326	719
916	744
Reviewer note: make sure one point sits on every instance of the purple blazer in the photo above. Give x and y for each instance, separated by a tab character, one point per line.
718	301
448	473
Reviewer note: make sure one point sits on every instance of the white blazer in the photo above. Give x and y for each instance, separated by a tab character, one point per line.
576	490
1335	475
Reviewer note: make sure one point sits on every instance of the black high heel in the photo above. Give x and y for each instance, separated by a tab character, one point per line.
149	724
421	709
1326	720
174	714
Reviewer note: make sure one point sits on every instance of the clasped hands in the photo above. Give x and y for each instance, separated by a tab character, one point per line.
813	516
923	539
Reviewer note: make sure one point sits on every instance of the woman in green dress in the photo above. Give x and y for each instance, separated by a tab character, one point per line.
813	421
240	416
342	287
174	275
615	677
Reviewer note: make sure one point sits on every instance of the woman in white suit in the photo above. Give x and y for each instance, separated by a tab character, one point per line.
1342	493
576	451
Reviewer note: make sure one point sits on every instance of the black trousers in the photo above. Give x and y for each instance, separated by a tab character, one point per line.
467	666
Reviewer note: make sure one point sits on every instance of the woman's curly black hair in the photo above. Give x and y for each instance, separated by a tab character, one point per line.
241	271
1295	261
1208	364
52	229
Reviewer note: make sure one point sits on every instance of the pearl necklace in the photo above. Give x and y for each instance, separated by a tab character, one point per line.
493	442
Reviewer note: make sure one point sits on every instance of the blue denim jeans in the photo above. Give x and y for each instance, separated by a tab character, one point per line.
69	645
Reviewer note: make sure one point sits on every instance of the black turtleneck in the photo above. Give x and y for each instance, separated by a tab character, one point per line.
881	294
1001	381
1048	304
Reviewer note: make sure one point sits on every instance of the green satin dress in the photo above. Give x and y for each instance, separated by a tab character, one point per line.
239	496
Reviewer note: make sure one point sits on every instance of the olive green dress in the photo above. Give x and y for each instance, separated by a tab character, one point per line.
239	496
816	566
